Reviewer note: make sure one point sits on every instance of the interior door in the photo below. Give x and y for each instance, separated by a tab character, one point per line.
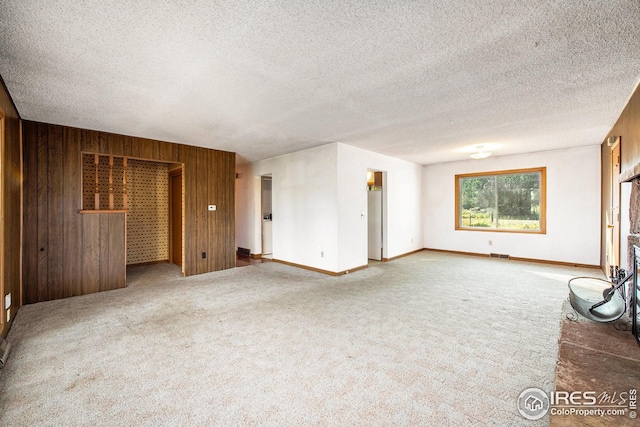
613	214
375	224
175	217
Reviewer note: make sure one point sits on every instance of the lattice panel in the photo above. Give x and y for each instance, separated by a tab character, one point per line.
148	216
89	182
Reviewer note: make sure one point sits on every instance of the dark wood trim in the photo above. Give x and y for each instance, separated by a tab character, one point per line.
401	256
319	270
512	258
256	256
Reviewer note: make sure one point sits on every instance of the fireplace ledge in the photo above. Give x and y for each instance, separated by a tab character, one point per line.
630	174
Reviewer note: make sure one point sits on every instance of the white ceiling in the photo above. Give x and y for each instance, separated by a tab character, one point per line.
418	80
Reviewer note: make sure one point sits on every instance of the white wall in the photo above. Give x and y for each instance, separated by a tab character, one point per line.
573	208
319	196
402	218
304	207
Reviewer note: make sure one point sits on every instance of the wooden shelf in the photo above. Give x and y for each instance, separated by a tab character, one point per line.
102	211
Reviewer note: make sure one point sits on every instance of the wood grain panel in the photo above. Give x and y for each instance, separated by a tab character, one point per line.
55	218
103	139
43	212
212	193
628	128
72	271
135	147
202	213
103	245
148	149
116	144
30	214
128	140
190	227
165	151
90	253
117	250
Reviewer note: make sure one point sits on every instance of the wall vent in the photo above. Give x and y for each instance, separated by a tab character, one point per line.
244	251
503	256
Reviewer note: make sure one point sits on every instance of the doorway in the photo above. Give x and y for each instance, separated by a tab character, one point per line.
175	216
375	215
613	212
267	216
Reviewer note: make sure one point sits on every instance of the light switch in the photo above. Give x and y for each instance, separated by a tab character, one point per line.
7	300
212	207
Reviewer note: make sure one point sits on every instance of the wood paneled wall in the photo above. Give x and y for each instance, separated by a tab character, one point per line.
11	195
628	129
53	229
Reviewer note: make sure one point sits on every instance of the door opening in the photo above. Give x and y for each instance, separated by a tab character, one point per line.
375	215
613	213
267	217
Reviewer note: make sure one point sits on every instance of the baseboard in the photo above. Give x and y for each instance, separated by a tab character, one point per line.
163	261
319	270
256	256
401	256
546	261
512	258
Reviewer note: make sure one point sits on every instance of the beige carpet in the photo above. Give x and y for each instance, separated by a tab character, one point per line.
429	339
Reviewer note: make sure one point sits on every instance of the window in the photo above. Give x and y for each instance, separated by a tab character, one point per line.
512	201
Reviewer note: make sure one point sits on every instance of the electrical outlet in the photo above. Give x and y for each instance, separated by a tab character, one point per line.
490	242
204	255
321	254
212	207
7	300
8	315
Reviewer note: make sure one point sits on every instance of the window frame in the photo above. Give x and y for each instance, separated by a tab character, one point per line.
543	200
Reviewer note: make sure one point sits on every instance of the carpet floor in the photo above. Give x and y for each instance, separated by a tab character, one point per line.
428	339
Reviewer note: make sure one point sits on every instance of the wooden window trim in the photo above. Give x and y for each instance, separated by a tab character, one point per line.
543	200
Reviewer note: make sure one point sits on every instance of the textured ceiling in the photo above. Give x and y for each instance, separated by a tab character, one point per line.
418	80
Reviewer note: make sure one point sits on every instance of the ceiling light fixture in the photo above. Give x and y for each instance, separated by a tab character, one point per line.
480	154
